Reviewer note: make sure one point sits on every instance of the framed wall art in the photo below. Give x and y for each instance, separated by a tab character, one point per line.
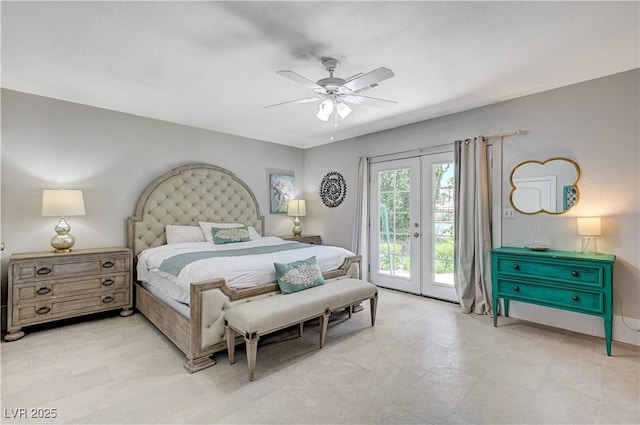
282	188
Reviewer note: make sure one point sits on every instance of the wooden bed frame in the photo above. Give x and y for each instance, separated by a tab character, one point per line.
185	196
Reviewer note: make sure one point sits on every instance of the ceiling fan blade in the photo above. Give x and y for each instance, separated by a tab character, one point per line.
306	100
353	77
370	101
368	79
302	80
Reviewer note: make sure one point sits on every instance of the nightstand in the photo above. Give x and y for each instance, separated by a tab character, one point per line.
311	239
45	287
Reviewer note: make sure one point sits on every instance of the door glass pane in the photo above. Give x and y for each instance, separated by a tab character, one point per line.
395	222
443	222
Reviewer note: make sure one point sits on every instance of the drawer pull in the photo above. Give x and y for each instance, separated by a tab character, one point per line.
516	288
575	274
44	290
108	264
108	282
575	298
516	267
43	270
43	310
107	300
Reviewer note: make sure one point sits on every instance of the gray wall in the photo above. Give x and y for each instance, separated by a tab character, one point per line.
594	123
111	156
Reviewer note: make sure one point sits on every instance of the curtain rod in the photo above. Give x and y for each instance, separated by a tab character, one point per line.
444	147
502	135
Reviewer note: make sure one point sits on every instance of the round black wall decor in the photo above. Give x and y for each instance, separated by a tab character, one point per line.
333	189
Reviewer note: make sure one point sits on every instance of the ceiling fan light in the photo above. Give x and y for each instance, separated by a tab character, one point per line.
325	110
343	110
322	116
326	106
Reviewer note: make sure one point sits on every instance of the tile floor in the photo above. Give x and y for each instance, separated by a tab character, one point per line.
423	362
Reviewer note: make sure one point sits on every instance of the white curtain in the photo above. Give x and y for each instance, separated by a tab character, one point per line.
473	226
360	239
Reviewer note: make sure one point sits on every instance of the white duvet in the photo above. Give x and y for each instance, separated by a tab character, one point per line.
239	272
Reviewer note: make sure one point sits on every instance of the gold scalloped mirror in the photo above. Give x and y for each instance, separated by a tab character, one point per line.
550	186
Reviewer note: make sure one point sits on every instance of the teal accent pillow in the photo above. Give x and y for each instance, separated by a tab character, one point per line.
222	235
299	275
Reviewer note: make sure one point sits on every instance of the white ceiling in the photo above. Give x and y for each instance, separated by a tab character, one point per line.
213	64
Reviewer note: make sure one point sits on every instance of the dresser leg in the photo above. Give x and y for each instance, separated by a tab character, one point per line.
506	307
495	312
13	335
607	335
126	312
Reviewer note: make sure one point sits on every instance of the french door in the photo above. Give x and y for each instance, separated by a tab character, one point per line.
411	232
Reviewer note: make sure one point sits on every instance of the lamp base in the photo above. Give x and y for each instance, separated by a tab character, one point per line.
63	241
297	228
589	245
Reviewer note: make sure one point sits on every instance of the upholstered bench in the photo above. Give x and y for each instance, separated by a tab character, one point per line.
256	318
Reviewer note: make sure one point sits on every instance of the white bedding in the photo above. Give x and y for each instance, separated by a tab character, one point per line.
239	272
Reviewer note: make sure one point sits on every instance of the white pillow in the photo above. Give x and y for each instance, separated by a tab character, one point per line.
180	234
206	229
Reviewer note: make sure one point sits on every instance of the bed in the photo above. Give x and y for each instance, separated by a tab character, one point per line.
186	197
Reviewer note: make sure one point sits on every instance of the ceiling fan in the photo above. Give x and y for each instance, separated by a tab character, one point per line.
336	93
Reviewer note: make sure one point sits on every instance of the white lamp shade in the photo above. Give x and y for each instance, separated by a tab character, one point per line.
589	226
297	208
343	110
62	203
325	110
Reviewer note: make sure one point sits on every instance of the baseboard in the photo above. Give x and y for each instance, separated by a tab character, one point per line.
576	322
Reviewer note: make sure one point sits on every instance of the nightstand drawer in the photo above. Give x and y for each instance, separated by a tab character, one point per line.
38	312
52	289
55	268
570	273
570	299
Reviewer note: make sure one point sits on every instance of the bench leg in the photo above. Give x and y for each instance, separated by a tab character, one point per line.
324	324
374	306
251	342
300	328
231	344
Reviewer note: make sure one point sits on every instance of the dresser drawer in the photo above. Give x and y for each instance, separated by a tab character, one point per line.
578	274
44	290
43	311
28	271
570	299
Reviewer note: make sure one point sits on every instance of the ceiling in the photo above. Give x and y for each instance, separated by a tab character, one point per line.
213	65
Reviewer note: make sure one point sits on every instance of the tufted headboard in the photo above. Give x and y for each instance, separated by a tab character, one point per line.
187	195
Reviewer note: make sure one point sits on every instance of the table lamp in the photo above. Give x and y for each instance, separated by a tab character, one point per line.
297	208
62	203
589	228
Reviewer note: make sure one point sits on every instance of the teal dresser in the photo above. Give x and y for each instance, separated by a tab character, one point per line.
559	279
